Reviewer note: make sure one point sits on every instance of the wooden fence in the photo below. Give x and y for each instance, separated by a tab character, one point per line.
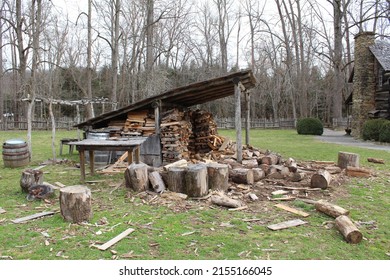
256	123
37	124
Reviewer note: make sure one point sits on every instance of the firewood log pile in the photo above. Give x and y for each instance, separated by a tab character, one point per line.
139	123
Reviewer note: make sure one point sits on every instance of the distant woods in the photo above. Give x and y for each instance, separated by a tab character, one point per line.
301	52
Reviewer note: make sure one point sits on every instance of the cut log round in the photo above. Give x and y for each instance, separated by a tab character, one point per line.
241	176
76	203
223	200
176	179
250	163
347	228
218	176
136	177
321	179
270	159
29	178
156	181
258	174
348	159
196	181
330	209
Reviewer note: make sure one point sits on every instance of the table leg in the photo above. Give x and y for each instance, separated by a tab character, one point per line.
82	165
137	154
130	156
92	161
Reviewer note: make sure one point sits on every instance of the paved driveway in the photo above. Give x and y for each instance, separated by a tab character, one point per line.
339	137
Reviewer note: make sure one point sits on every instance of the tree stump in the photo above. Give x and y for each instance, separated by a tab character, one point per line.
76	203
136	177
347	159
29	178
347	228
330	209
176	179
241	176
218	176
196	180
156	181
321	179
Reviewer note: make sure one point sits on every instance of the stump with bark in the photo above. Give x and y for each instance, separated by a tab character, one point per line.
136	177
347	159
76	203
348	229
196	181
218	176
29	178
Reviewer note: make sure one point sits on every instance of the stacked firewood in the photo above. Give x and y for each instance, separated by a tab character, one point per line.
139	123
175	133
204	130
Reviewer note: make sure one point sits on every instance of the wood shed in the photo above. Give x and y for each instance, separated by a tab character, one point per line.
173	127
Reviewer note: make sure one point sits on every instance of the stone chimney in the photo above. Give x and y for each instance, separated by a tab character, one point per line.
363	100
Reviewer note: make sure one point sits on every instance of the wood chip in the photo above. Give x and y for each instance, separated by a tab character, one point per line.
292	210
115	240
287	224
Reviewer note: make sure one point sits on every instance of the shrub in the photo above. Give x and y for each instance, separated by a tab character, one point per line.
372	128
310	126
384	135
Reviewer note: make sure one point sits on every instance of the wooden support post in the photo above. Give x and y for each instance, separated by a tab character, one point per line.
92	161
157	119
237	96
247	118
76	203
82	165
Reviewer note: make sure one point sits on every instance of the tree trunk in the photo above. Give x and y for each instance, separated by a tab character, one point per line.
29	178
347	159
330	209
156	181
218	176
241	176
176	179
196	180
76	203
321	179
136	177
347	228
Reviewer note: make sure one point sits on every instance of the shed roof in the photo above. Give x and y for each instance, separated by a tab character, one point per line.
381	51
187	96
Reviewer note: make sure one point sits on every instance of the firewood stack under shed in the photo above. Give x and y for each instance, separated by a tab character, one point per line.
139	123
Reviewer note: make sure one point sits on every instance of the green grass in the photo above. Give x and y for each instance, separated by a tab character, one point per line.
191	229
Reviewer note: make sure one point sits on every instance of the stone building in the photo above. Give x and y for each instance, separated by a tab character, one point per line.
371	91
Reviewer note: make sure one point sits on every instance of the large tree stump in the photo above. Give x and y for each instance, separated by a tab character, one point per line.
136	177
29	178
76	203
156	181
330	209
347	228
348	159
176	180
241	176
321	179
218	176
196	180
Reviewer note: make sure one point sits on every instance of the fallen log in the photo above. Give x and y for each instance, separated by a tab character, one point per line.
376	160
348	229
241	176
330	209
347	159
321	179
357	172
218	176
223	200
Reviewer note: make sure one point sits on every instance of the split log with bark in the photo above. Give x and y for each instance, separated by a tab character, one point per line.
156	181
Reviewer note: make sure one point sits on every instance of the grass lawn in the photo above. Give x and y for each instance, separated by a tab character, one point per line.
177	230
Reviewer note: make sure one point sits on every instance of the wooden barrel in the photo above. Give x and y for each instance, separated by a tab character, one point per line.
15	153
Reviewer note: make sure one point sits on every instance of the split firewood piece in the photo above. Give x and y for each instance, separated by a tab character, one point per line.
241	176
292	210
291	164
287	224
196	180
32	217
347	159
156	181
357	172
330	209
176	179
376	160
29	178
321	179
218	176
76	203
179	163
223	200
115	240
136	177
348	229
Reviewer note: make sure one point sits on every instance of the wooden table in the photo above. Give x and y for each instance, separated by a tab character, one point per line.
130	145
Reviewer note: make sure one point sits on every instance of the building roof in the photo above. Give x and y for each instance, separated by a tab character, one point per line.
381	51
187	96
